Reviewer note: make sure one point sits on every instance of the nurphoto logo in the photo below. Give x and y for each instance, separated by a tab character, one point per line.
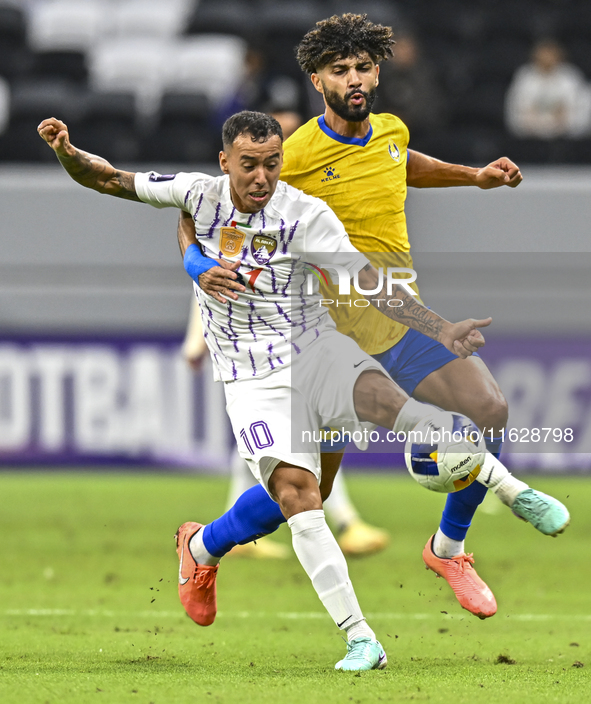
342	277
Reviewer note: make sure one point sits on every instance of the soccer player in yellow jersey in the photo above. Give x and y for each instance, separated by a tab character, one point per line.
360	164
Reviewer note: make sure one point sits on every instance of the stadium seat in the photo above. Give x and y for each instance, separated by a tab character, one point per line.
67	24
109	127
183	133
212	64
230	17
13	25
70	65
12	39
139	65
283	24
149	18
33	101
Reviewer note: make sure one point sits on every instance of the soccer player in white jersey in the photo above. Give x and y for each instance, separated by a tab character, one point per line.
286	371
356	537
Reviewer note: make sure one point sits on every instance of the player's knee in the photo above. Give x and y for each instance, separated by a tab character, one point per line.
294	500
498	412
387	404
492	412
295	490
377	403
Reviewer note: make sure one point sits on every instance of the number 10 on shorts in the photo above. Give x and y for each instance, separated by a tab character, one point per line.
260	434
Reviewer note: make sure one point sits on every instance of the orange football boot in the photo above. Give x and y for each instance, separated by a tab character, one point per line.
197	590
472	593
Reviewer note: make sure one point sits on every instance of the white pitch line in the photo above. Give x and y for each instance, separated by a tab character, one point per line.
291	615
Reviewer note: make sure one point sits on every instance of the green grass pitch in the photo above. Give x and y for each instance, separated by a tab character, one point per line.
89	608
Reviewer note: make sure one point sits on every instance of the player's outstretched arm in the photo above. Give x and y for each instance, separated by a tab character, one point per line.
462	338
424	171
86	169
215	276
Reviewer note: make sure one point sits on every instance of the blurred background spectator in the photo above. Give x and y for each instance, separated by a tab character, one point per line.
548	97
261	89
149	81
409	89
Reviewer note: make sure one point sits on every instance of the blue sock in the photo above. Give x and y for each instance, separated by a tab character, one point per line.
461	506
253	515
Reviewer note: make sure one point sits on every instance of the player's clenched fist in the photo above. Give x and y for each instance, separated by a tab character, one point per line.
55	133
502	172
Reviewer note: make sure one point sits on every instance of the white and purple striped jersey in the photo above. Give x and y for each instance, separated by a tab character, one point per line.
276	317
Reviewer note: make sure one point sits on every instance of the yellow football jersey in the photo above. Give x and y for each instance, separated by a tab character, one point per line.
364	182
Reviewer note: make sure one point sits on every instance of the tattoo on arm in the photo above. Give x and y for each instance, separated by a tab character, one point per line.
96	173
411	313
125	183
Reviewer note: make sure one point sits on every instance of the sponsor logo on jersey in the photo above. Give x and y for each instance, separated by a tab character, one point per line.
157	178
252	276
263	248
231	241
330	174
393	150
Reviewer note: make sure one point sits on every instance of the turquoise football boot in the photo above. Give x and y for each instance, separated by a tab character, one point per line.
544	512
363	654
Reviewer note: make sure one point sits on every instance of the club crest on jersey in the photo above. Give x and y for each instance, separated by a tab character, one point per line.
231	241
330	174
393	150
263	248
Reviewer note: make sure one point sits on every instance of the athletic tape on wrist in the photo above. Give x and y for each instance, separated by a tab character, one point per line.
197	263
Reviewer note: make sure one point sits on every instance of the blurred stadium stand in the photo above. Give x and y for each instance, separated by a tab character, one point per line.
72	57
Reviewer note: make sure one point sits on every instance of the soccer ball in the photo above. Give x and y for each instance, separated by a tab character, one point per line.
444	452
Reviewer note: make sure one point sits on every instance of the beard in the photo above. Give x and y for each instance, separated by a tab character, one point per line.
347	111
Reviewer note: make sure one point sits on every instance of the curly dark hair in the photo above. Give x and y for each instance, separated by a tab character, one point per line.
257	124
339	37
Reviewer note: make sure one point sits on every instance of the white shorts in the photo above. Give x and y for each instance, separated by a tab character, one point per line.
277	418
